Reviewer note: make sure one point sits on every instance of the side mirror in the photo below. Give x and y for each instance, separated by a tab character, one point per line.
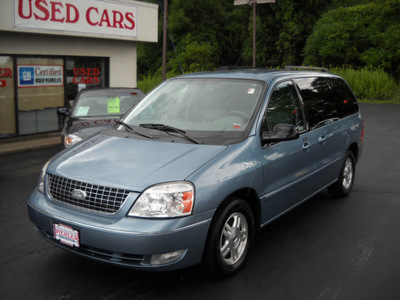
62	111
281	132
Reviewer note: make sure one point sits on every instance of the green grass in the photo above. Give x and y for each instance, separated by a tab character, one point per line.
371	85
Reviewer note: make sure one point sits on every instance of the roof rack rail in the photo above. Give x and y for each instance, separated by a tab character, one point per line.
225	68
293	68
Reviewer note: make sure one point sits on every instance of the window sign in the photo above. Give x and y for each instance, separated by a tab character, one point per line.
7	100
40	90
86	75
40	75
84	72
82	111
113	105
87	17
5	73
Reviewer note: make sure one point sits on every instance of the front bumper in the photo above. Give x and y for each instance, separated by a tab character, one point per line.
124	241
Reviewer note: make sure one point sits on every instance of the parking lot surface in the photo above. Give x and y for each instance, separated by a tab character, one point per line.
324	249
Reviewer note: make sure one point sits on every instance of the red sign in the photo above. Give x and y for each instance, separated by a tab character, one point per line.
92	17
3	83
5	72
86	75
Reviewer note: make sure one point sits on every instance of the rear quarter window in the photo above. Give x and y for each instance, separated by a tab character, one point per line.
326	98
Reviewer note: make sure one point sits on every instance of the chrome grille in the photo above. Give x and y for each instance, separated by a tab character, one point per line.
96	198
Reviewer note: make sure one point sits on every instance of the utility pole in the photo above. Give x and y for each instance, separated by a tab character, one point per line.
254	3
164	59
254	32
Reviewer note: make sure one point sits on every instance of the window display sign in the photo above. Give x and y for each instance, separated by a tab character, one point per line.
86	76
40	75
7	103
5	72
87	17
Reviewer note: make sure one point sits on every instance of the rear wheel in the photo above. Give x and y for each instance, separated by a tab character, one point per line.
229	239
343	186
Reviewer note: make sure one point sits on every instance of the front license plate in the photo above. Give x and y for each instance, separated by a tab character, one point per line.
66	235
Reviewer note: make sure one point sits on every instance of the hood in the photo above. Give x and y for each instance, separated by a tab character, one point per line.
86	127
131	164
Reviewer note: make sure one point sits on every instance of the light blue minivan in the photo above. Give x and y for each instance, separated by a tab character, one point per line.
199	166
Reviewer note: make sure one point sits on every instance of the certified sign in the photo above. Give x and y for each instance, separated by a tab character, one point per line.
40	75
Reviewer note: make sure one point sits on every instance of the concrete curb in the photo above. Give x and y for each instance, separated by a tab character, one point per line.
29	145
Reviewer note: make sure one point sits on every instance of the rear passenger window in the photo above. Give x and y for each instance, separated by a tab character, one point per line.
284	107
326	98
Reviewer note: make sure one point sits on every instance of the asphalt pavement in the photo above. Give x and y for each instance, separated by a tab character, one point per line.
324	249
31	142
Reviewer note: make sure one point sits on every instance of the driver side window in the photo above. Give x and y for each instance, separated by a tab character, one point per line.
284	108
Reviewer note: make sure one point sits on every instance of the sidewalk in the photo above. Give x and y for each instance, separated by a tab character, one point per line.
19	144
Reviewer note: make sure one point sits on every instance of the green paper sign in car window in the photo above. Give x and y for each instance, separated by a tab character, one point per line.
113	105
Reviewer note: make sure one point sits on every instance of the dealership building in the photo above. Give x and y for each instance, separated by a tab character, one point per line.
50	50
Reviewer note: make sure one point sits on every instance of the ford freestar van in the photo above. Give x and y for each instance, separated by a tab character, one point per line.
94	110
198	166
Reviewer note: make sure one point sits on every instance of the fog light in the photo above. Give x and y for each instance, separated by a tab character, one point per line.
166	258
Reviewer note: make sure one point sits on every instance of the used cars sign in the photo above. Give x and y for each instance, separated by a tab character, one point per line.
91	17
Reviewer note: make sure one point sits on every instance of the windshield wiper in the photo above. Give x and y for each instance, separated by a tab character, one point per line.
130	129
167	128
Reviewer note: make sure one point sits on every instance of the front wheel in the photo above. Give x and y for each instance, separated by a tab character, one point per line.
229	239
342	187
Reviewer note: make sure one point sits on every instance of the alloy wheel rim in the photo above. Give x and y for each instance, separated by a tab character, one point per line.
234	238
348	173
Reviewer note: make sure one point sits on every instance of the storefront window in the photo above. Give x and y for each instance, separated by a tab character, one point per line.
41	85
84	72
7	104
40	92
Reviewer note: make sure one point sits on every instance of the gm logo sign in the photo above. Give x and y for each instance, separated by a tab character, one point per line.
26	76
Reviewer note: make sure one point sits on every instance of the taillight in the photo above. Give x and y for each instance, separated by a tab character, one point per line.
362	131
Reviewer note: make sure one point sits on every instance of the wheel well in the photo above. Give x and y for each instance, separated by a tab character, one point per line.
354	148
250	196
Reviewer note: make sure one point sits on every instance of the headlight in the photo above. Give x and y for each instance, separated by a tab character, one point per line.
173	199
71	139
41	178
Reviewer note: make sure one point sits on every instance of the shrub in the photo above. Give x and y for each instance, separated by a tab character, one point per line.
149	82
370	84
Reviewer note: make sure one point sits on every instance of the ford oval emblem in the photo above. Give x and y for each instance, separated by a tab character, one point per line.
78	194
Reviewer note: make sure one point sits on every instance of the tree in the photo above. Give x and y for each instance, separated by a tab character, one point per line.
208	34
361	35
282	29
210	25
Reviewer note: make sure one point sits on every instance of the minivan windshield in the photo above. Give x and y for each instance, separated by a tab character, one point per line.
216	111
104	102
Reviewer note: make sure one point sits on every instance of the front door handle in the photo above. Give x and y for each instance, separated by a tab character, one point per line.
322	139
306	146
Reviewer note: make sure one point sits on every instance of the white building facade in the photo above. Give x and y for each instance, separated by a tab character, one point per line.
50	50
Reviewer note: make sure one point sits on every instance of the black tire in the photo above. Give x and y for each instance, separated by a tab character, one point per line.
342	187
229	239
